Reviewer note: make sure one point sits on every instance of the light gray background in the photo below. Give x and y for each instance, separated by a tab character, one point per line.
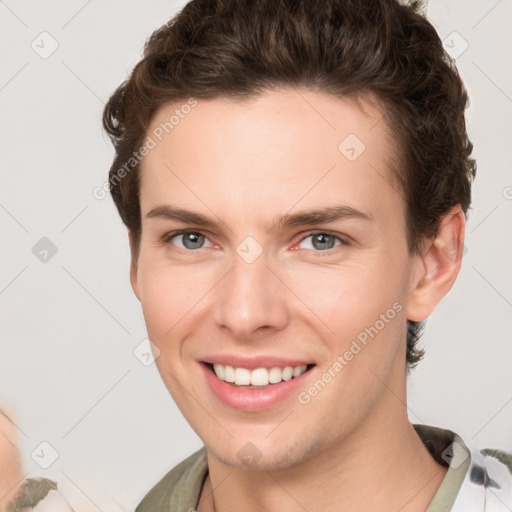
69	326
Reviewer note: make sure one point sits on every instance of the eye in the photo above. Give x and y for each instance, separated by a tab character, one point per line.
322	241
187	240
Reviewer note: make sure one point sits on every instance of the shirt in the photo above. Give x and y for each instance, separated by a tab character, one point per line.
476	480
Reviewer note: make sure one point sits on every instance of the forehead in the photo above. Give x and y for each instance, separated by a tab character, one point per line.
269	153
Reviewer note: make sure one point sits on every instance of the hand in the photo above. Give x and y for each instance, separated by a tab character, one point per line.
11	471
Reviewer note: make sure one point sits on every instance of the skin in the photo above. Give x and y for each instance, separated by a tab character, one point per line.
246	164
11	471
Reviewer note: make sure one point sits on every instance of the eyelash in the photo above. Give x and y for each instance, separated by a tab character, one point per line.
344	241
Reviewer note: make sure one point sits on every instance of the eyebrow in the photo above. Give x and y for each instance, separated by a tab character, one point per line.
301	218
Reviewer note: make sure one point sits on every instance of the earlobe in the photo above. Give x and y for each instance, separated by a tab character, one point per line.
437	267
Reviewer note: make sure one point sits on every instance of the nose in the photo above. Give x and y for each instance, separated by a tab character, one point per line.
251	299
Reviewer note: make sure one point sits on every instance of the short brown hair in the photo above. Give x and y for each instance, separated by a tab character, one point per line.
348	48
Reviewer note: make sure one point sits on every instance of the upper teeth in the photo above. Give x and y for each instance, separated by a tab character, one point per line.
257	377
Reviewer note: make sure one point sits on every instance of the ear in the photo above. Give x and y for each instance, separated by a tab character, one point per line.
437	267
133	267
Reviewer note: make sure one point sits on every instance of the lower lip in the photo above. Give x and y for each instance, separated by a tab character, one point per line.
252	399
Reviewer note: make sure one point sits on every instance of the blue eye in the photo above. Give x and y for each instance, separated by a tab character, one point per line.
322	241
193	240
190	240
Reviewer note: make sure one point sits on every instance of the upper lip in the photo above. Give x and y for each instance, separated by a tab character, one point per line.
251	363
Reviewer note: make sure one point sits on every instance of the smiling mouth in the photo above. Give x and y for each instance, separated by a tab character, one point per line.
259	377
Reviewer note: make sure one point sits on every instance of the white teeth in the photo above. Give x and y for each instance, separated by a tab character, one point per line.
287	373
219	370
274	375
229	374
257	377
242	377
297	371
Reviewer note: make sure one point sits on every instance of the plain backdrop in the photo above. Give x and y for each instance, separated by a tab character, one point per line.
69	321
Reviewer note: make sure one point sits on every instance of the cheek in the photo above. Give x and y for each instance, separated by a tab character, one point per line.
170	299
168	295
359	313
347	298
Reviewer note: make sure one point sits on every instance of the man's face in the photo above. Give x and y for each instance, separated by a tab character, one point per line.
252	292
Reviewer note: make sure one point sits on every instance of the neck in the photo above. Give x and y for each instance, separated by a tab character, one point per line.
382	465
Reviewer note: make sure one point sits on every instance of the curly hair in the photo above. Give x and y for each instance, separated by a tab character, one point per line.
348	48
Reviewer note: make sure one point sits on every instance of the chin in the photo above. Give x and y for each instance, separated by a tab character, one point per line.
268	458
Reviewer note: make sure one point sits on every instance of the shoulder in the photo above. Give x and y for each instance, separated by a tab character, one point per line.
477	479
180	488
495	475
488	481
